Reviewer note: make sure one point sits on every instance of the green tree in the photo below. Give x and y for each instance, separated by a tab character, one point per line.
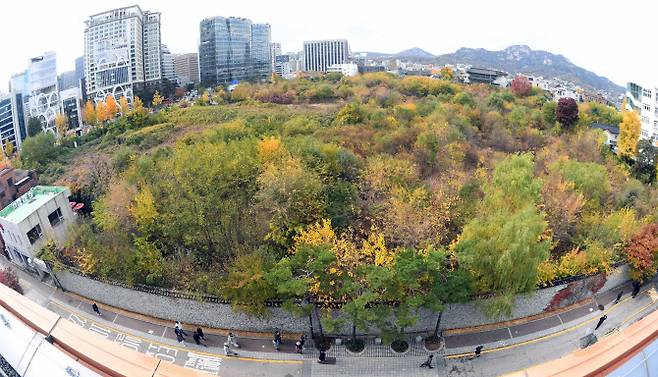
37	151
548	110
33	126
644	167
504	244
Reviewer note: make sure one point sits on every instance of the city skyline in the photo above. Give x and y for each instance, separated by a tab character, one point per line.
596	42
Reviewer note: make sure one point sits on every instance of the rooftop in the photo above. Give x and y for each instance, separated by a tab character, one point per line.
29	202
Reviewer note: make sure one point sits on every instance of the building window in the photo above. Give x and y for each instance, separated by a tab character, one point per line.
55	217
34	234
646	92
646	107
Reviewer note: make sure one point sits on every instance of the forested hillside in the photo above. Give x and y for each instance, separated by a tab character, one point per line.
410	191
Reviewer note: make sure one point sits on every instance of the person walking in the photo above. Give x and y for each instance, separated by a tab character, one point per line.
601	320
621	293
232	340
277	340
200	333
95	308
197	339
636	288
179	338
228	351
478	350
428	362
178	328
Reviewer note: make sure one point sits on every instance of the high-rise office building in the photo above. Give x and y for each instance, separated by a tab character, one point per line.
168	71
71	98
233	49
67	80
18	90
644	100
10	114
186	67
261	54
318	55
43	92
275	50
122	52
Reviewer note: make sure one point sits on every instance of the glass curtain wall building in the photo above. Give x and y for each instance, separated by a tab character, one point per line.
232	50
43	102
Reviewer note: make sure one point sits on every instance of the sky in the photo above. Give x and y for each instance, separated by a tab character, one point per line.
611	38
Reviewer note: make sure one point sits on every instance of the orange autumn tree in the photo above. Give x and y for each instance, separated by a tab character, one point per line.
642	251
89	115
111	106
101	112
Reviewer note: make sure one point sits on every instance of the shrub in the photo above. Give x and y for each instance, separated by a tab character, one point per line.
521	87
642	252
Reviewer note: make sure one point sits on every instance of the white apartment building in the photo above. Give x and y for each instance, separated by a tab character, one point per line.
122	51
644	100
347	69
318	55
168	71
26	224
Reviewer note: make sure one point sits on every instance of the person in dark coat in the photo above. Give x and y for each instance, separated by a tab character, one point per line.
636	288
277	340
428	362
621	293
95	308
179	337
200	333
197	339
601	320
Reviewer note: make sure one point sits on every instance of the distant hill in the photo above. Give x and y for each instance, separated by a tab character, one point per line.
523	59
415	52
412	53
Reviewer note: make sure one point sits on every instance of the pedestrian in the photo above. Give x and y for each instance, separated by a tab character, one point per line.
197	339
601	320
179	337
323	356
298	346
636	288
277	340
178	328
232	340
95	308
428	362
200	333
302	340
228	351
621	292
478	350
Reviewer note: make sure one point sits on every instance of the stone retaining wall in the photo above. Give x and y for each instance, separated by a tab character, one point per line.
223	316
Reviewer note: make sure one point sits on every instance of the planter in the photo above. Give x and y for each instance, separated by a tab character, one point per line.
432	343
322	344
400	346
355	347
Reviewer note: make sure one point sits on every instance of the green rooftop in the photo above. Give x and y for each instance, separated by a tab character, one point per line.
29	202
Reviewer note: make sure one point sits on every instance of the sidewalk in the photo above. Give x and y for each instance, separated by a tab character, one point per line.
513	345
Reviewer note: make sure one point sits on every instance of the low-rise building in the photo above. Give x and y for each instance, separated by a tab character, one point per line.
14	183
611	133
487	76
41	214
346	69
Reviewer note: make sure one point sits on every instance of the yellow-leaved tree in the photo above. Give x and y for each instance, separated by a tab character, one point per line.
157	99
111	106
101	112
89	115
62	124
9	148
123	105
138	106
629	134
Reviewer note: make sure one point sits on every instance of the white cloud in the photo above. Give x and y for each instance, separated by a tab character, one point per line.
613	39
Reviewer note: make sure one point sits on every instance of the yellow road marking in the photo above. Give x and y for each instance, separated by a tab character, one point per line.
185	349
568	329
